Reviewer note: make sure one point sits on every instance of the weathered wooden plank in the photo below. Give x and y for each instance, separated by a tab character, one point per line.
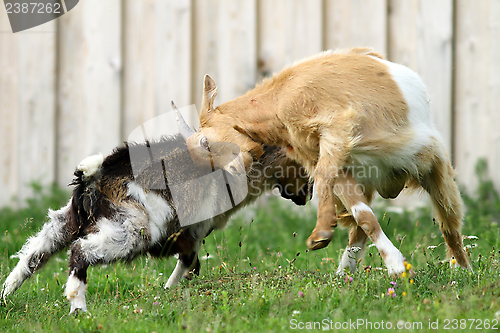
138	63
494	92
173	59
157	60
477	88
9	85
224	46
288	30
37	96
89	83
356	23
27	109
420	37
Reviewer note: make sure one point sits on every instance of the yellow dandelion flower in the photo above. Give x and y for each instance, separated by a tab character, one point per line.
404	293
404	274
411	281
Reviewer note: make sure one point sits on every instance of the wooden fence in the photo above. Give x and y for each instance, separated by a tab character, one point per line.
80	84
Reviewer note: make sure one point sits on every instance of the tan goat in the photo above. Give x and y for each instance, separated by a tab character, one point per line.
359	124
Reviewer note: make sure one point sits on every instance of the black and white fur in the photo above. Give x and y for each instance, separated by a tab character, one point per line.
113	215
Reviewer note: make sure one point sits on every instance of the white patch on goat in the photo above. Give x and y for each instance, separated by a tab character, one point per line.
15	278
380	167
46	242
414	92
177	274
119	238
46	238
90	165
360	207
394	260
350	257
75	293
415	95
352	253
137	192
159	211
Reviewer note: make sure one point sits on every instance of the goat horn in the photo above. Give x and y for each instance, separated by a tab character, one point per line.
183	127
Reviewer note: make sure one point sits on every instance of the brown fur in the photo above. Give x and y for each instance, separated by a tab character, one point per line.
329	111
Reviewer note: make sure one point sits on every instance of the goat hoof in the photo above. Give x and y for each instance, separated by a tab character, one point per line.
79	312
319	239
190	275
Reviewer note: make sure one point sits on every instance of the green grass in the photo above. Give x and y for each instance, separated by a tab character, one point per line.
261	278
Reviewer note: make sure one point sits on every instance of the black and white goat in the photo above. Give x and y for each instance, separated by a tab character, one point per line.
113	215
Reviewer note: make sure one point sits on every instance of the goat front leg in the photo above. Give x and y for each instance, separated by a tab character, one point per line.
192	261
325	176
187	266
322	233
354	199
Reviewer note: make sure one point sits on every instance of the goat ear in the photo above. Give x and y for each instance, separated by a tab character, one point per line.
253	135
209	93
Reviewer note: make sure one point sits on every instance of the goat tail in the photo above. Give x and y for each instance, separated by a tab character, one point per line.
63	227
54	236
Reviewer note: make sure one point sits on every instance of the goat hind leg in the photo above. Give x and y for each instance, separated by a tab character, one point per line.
77	280
55	235
441	186
355	200
115	240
